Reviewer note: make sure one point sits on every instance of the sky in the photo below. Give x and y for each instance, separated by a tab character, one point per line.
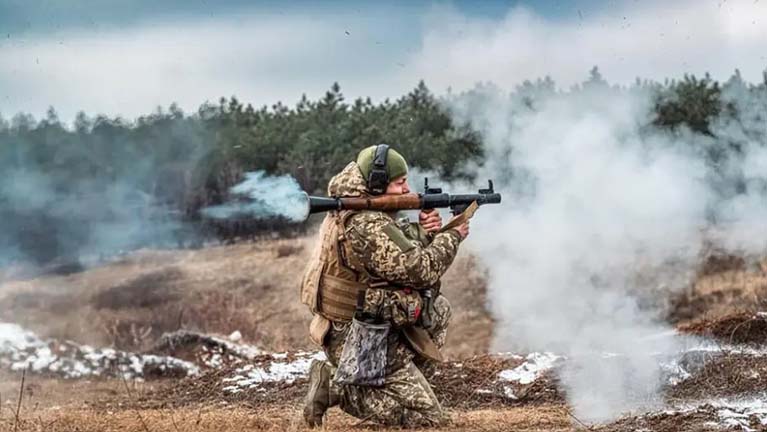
126	57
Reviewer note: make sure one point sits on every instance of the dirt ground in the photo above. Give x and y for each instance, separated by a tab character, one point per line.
279	418
248	287
115	405
252	288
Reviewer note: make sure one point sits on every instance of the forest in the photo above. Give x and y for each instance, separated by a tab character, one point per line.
101	184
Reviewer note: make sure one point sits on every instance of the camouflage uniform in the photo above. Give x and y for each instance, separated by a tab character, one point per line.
406	398
404	255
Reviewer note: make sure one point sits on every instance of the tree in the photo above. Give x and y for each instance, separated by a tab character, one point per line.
691	102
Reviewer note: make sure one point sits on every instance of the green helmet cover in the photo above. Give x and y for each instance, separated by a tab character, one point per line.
396	165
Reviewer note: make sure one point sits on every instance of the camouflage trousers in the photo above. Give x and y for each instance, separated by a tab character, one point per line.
406	398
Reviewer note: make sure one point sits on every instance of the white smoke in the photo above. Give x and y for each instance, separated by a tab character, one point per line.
264	197
602	215
745	214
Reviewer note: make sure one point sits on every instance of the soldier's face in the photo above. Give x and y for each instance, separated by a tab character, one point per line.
398	186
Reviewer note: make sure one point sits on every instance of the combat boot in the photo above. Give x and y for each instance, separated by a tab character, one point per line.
320	396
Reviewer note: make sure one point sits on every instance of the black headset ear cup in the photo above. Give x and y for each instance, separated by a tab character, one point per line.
378	179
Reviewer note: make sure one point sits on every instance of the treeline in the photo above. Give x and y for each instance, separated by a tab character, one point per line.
105	183
177	157
314	139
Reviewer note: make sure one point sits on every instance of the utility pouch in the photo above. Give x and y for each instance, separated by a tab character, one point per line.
401	307
363	358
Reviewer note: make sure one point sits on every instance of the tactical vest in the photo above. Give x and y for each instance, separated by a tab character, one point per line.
330	288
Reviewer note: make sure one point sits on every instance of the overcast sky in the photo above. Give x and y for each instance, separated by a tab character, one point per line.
125	57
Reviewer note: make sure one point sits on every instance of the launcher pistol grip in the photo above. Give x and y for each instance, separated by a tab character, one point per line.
457	209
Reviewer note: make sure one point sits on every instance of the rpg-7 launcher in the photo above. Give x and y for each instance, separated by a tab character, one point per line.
431	198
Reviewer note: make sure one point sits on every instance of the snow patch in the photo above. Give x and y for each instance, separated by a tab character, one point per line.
282	368
22	349
535	365
742	414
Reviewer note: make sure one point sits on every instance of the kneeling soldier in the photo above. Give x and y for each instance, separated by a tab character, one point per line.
373	286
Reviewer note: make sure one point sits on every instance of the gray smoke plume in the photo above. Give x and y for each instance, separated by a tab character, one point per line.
603	217
71	195
263	197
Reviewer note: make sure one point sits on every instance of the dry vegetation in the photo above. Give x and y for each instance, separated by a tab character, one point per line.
101	406
277	418
725	285
252	287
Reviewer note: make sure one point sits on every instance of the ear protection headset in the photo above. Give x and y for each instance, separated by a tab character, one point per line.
378	179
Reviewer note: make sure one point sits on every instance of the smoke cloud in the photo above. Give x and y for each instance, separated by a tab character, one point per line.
70	197
604	216
263	197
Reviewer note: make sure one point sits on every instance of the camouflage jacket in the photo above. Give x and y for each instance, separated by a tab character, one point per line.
393	250
398	252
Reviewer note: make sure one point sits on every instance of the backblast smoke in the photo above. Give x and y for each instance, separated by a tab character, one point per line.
606	216
263	197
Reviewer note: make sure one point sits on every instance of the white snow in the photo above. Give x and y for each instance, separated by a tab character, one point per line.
509	393
738	414
534	366
239	350
21	349
731	413
674	371
14	335
280	369
713	347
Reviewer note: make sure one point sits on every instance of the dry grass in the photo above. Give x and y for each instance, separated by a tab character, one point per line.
253	287
728	375
242	287
106	405
716	294
250	287
278	418
702	420
471	328
739	327
150	289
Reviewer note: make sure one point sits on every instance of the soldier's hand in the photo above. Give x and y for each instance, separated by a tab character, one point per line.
430	220
463	229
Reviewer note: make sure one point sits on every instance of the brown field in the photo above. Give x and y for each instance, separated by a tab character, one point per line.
54	405
250	287
253	287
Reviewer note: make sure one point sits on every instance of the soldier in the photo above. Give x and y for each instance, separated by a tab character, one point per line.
366	285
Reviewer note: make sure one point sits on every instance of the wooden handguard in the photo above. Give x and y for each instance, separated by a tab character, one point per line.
383	203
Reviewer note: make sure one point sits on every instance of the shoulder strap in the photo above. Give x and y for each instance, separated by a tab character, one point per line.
348	260
395	234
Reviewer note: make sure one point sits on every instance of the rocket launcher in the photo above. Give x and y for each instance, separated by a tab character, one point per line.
431	198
